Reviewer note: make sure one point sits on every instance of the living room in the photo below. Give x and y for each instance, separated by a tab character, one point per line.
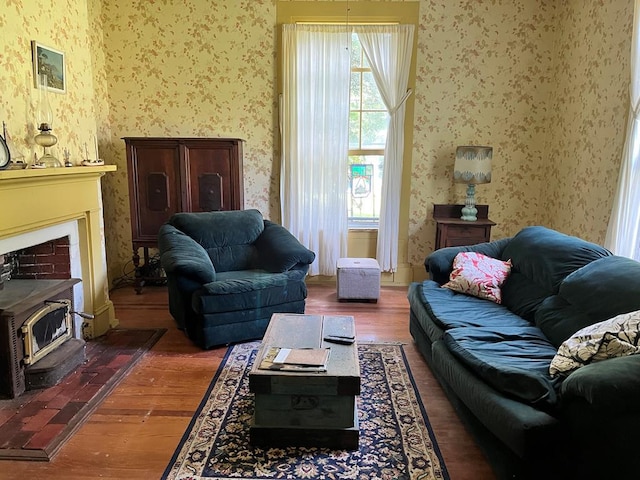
545	83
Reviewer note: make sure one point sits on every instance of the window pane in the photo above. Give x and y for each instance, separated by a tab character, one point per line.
354	93
354	130
365	188
368	124
371	99
374	129
356	51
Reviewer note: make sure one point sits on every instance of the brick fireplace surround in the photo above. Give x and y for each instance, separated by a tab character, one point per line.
46	261
56	202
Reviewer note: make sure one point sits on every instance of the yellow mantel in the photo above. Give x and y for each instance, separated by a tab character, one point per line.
32	199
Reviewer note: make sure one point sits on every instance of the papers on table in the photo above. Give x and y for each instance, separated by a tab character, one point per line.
296	359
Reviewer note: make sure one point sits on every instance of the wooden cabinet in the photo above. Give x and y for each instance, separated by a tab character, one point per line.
451	231
170	175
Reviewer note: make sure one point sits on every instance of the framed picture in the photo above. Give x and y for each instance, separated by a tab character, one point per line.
50	62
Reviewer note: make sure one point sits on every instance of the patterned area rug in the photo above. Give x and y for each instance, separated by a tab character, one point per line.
396	440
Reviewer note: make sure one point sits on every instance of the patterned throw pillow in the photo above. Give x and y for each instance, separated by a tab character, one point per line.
478	275
616	337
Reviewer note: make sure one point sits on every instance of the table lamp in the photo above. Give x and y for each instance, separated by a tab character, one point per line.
473	166
45	138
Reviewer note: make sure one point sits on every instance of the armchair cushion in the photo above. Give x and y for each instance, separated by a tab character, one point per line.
234	291
228	237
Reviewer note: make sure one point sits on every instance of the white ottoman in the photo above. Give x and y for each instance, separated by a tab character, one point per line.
358	279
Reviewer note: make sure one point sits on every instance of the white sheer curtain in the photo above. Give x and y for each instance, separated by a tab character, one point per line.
315	128
623	234
388	50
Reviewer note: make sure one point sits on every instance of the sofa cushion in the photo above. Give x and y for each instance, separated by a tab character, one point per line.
579	303
616	337
449	309
478	275
513	360
541	259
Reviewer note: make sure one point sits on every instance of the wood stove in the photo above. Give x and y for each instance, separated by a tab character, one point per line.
37	335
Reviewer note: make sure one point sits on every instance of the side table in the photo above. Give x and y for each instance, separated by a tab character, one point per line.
451	231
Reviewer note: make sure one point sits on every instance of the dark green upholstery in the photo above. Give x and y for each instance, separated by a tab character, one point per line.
493	360
228	272
597	292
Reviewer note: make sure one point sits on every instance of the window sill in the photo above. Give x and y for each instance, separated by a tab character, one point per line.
357	228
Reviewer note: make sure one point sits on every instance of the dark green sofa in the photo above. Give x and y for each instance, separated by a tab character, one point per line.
228	272
493	360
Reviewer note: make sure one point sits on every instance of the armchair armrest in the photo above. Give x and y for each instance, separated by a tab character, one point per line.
182	255
279	250
439	262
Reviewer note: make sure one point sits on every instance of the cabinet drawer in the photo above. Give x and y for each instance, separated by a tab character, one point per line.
465	231
456	241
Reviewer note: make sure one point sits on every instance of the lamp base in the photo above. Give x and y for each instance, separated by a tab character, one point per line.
49	161
47	139
469	211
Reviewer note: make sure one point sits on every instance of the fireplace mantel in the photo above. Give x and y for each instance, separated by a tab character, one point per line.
34	199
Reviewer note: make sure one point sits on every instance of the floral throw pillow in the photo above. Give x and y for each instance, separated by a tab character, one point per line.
478	275
616	337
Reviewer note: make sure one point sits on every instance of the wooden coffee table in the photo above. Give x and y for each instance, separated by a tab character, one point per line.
307	408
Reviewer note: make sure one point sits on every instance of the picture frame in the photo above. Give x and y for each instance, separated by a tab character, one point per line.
51	62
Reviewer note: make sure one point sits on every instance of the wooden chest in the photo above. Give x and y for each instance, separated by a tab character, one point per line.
307	408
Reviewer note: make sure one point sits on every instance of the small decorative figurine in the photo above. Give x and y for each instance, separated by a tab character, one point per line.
66	155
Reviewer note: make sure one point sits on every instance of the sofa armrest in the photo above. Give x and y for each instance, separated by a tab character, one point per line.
605	386
279	250
439	263
182	255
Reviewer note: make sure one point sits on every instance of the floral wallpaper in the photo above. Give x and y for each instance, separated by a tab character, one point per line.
64	29
484	78
543	82
190	69
588	114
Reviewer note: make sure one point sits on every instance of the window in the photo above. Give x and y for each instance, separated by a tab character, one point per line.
368	123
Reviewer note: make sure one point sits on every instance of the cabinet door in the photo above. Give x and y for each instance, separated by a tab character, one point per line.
154	186
213	179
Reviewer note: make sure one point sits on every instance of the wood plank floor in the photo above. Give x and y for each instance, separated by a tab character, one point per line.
134	432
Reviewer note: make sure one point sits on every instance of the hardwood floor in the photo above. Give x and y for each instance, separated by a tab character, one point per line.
135	431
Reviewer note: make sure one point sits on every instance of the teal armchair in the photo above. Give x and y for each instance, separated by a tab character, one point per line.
228	272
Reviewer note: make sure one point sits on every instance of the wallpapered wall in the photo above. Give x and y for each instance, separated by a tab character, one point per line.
66	29
539	80
587	116
192	69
